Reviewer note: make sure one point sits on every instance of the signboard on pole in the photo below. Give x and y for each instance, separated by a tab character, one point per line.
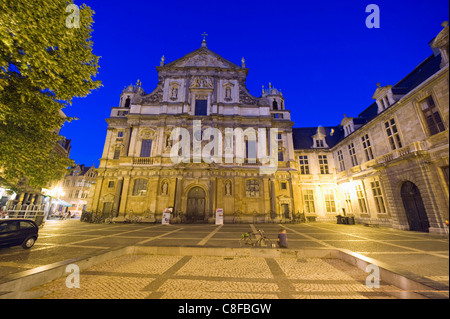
219	216
166	216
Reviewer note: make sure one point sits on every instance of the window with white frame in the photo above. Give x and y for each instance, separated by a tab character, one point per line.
393	134
361	199
348	202
319	143
323	164
378	197
367	147
340	157
330	204
303	164
352	153
308	200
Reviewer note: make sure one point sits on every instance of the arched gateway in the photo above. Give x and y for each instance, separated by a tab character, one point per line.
415	210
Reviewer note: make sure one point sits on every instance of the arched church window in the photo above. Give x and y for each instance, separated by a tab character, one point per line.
127	102
140	187
275	105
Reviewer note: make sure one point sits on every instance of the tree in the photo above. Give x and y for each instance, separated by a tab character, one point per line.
46	60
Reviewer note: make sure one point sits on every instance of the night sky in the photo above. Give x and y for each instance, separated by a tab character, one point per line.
320	54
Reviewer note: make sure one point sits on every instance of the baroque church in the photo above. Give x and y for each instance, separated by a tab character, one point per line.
388	166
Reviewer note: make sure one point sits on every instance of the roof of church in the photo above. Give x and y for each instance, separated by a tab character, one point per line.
202	57
302	137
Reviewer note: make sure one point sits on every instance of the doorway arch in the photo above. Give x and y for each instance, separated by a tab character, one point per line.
196	203
414	208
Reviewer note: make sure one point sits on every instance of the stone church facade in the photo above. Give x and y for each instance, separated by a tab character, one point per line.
386	166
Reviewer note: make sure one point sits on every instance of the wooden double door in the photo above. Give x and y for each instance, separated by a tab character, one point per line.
196	203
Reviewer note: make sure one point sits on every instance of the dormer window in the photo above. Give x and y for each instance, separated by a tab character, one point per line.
384	97
319	138
319	143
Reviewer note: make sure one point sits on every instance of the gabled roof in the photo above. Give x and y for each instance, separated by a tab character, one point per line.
202	57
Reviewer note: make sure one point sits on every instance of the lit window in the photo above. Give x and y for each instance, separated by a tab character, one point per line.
348	203
303	164
361	199
330	204
308	199
323	164
377	195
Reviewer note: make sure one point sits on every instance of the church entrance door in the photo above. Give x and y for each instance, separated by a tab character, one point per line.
196	205
415	210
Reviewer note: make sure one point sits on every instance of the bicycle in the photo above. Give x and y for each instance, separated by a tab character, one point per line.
263	240
255	239
248	238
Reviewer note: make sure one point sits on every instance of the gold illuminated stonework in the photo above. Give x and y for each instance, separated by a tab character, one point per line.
372	167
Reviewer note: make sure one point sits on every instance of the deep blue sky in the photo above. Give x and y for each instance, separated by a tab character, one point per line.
319	53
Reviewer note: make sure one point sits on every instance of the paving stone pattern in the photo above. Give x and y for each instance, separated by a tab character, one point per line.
152	276
206	277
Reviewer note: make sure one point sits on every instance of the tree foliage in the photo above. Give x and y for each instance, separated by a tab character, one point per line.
44	64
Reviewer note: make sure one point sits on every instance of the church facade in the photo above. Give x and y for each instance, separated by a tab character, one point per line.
200	142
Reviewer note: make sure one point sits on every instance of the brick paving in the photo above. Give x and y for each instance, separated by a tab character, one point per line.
207	277
211	277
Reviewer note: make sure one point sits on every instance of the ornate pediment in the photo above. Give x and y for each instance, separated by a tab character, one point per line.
246	98
154	97
202	57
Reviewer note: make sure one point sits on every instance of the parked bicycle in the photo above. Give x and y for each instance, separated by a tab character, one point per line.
248	238
257	238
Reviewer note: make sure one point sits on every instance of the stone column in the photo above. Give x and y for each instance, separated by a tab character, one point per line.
177	199
212	201
123	195
117	195
272	198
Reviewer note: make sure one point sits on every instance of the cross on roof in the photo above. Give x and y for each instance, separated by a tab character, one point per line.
204	35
